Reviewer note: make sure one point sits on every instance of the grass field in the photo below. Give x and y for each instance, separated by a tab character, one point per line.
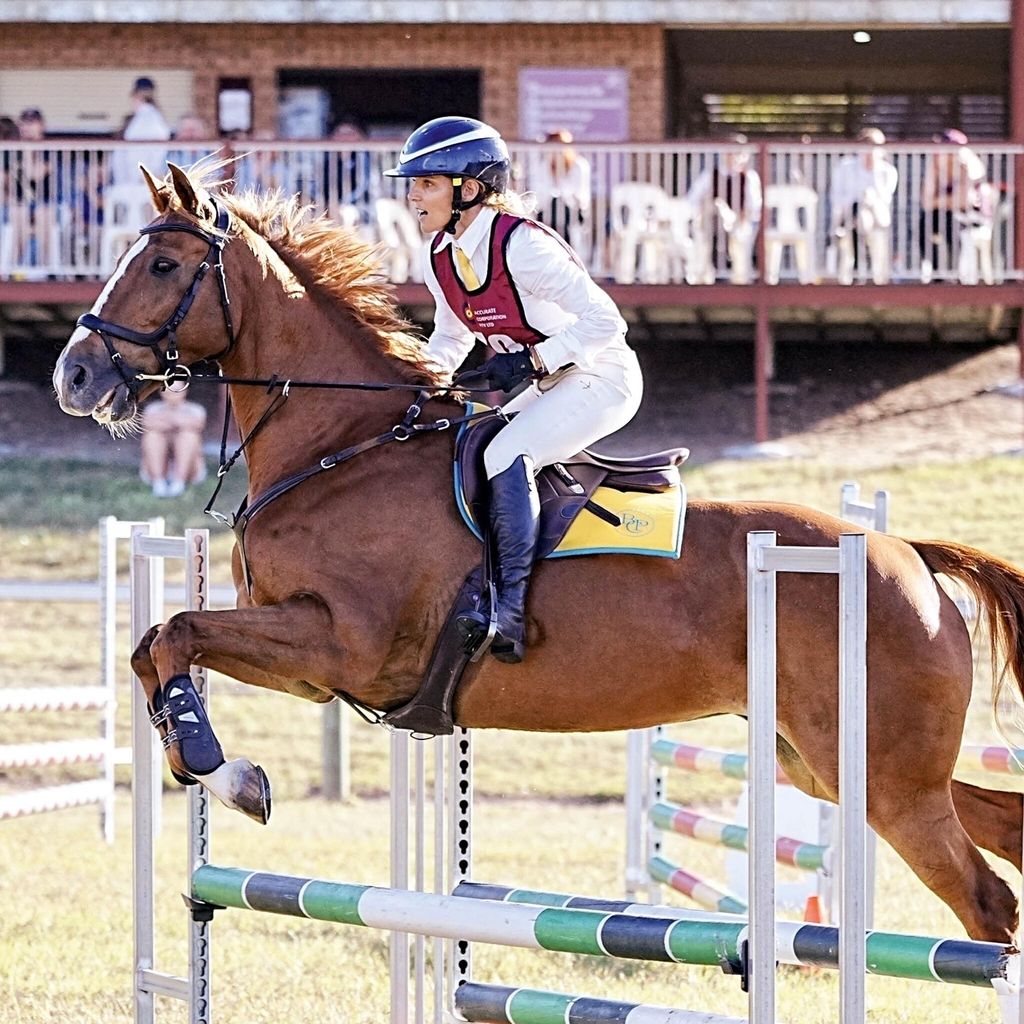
549	811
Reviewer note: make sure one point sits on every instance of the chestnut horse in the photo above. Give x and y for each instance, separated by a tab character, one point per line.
354	570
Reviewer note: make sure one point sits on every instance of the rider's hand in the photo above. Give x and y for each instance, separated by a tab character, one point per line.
501	372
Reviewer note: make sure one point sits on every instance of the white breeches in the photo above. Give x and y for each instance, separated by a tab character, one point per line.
579	409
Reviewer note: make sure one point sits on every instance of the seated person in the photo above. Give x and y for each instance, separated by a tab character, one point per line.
172	443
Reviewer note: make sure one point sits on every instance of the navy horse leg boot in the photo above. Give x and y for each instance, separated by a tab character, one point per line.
515	527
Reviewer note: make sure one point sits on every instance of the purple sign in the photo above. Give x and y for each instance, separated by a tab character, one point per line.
593	103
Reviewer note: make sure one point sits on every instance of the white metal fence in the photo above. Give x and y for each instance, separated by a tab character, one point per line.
668	213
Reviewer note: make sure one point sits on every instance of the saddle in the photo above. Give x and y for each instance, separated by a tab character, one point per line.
567	489
580	486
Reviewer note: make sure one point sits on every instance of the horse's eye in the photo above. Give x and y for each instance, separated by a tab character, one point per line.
162	265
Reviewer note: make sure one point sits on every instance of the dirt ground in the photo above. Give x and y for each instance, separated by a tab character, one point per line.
860	406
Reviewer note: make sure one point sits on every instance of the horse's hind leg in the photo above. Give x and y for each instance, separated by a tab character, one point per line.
928	835
992	818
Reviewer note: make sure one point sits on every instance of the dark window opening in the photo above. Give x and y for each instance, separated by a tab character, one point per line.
381	104
909	83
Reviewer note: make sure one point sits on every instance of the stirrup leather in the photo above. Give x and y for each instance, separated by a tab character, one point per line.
183	712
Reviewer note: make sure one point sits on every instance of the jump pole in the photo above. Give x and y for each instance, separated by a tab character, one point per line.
889	954
765	559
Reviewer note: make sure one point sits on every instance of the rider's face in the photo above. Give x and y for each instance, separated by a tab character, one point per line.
431	201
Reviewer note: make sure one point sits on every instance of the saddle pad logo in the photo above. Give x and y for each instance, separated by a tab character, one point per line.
636	526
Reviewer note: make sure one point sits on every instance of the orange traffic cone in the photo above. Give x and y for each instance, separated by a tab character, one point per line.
812	909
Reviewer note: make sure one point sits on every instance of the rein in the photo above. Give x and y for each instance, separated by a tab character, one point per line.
171	372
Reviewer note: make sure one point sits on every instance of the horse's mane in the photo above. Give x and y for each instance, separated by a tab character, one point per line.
334	259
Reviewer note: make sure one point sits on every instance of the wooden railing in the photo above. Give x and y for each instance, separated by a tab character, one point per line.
68	209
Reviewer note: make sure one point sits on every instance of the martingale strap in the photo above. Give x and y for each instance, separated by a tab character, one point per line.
404	431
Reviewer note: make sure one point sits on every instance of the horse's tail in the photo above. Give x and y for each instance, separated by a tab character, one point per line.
998	587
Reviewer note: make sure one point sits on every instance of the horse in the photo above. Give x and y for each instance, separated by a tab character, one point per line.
352	571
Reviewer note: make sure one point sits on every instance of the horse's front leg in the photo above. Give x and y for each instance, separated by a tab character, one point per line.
279	646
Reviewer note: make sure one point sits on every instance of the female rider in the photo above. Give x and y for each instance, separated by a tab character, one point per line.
502	279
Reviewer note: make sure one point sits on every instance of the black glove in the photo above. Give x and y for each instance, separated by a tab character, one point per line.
501	372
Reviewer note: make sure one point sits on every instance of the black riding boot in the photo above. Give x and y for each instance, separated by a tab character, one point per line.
515	525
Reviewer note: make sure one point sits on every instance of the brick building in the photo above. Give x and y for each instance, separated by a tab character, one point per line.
686	68
643	84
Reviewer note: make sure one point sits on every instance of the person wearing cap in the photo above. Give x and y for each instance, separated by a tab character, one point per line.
145	124
502	279
146	121
953	191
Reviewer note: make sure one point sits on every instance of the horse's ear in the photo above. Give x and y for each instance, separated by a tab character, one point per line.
186	193
160	198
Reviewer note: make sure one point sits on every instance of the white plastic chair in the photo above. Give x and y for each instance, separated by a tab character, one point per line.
349	216
398	230
681	249
792	219
641	228
126	209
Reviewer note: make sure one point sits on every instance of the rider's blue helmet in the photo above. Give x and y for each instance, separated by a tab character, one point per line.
456	147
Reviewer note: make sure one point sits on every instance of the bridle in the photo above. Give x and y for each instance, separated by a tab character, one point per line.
170	372
167	357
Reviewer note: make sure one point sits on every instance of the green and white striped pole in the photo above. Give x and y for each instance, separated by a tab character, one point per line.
499	1004
712	944
892	954
602	929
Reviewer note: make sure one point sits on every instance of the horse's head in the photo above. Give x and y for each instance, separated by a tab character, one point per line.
165	307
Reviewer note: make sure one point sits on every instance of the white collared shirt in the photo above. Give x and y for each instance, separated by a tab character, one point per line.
560	300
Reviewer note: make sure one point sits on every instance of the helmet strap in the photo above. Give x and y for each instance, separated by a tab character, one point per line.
459	204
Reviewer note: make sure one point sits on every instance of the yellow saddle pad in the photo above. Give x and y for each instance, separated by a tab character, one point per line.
652	524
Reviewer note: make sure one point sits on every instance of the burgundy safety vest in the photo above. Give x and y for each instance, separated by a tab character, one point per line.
494	311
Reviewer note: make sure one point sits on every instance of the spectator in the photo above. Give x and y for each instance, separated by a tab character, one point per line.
33	197
260	167
560	181
172	443
9	129
145	124
954	191
727	201
355	183
190	129
863	186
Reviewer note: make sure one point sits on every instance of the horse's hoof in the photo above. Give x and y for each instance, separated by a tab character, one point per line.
254	799
242	786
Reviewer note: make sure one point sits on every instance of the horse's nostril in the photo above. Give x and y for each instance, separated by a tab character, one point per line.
79	377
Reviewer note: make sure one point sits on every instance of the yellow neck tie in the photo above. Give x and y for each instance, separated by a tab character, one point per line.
466	271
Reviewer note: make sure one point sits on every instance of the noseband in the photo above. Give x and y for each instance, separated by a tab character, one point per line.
167	357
